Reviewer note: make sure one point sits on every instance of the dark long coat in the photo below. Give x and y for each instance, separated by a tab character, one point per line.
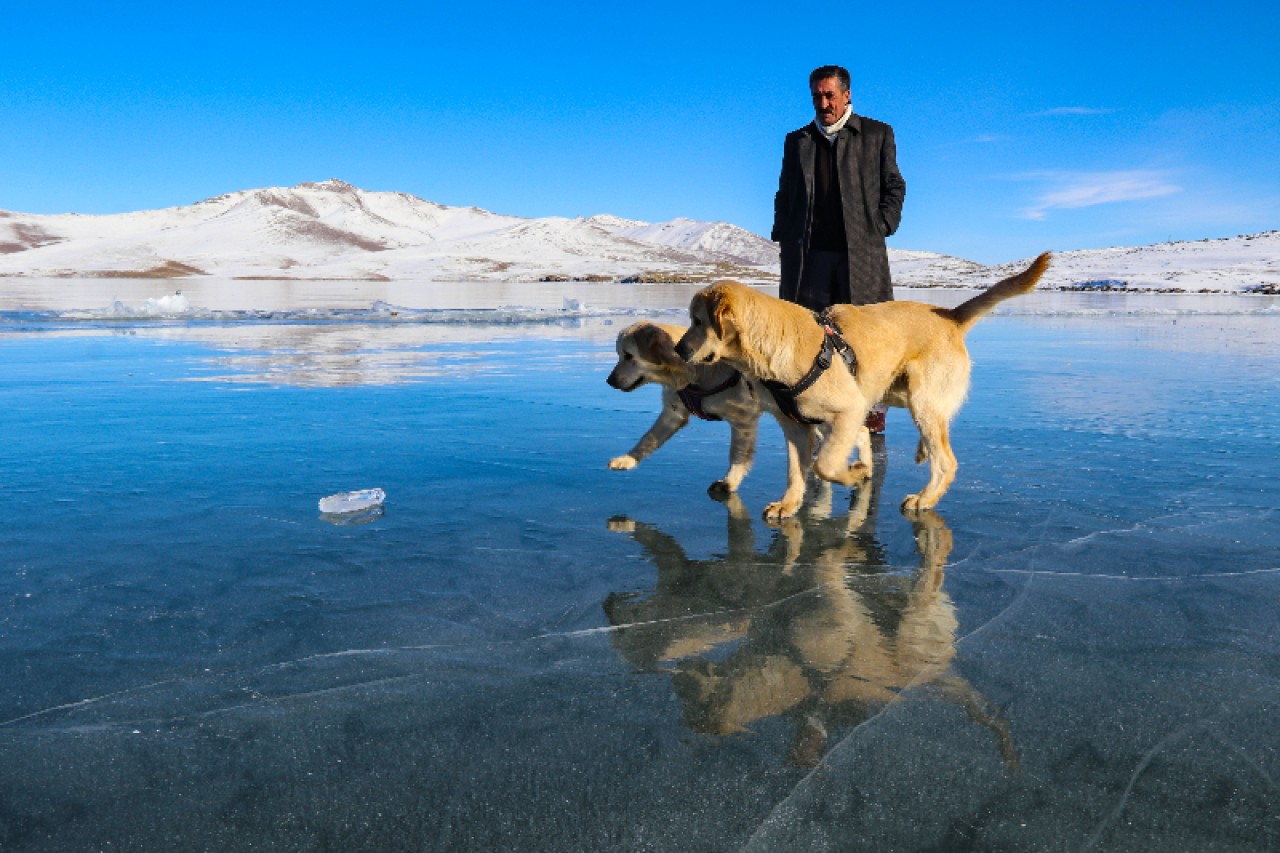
871	190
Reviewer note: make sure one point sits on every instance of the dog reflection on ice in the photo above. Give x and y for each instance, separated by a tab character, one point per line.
821	633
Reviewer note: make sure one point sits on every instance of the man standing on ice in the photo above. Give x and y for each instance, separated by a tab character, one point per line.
840	195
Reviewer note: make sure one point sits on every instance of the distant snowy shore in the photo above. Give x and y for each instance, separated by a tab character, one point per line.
42	305
332	231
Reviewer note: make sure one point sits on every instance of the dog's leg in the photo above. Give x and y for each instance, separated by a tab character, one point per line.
817	435
742	450
818	500
670	421
863	444
848	429
741	538
936	394
793	540
859	508
799	454
864	498
935	436
933	542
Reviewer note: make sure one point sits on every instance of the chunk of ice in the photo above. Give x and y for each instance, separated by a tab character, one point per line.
174	303
352	501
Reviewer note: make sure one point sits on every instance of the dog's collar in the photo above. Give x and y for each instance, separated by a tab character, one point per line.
693	395
832	343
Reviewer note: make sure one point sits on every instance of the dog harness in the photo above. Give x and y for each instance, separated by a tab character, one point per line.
832	343
693	395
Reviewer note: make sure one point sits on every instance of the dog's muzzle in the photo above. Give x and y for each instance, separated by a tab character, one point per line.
683	349
612	379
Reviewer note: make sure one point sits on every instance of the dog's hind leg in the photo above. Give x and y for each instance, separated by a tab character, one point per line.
935	397
742	450
935	440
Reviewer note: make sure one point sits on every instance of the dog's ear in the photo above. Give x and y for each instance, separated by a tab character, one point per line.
656	345
717	302
696	304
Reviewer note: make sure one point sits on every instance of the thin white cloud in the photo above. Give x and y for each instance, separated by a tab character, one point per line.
1072	111
980	139
1068	190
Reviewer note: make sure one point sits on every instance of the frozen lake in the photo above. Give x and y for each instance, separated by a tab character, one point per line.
526	651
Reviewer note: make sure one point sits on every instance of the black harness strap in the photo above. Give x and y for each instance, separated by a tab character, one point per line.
832	343
692	396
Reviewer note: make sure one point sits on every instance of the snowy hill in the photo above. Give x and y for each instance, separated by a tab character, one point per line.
332	230
718	237
1229	264
335	230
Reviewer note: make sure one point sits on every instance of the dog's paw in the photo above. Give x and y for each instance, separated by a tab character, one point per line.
781	509
842	474
623	463
915	503
621	524
720	489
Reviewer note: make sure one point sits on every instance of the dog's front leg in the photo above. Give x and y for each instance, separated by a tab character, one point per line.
799	454
742	451
670	421
848	430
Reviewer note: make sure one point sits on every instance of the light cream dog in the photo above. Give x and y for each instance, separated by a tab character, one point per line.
646	353
908	354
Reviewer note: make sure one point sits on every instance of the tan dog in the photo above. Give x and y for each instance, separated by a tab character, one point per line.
646	353
909	355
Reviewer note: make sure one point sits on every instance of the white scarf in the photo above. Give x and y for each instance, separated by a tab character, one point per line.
830	131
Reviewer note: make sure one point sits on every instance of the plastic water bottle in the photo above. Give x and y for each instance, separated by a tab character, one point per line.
352	501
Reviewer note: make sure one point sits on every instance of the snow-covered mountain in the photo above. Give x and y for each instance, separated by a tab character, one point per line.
1230	264
690	234
332	230
335	230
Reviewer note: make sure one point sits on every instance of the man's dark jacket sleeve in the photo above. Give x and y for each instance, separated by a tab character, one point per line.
893	189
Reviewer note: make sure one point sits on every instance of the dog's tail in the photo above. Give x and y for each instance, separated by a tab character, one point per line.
968	313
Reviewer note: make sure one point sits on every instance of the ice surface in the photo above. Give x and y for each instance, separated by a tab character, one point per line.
1076	651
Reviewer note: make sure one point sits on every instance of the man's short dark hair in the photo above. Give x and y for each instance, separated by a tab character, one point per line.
841	74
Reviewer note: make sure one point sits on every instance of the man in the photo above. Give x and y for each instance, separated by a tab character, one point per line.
840	195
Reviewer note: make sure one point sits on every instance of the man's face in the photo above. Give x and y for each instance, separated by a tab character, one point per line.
829	100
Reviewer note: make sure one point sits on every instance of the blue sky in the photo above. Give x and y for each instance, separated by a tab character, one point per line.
1020	127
